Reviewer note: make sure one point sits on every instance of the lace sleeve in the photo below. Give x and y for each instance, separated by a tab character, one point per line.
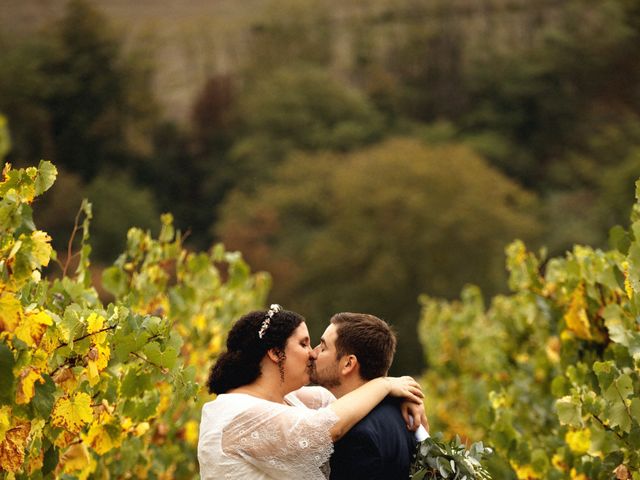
311	397
282	441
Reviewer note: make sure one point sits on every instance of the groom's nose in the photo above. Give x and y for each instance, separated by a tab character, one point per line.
314	353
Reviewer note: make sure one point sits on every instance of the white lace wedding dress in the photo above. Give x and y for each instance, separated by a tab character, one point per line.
244	437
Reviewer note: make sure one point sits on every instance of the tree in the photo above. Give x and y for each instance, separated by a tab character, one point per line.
22	89
118	204
72	95
288	32
302	108
370	230
90	105
428	63
548	103
213	116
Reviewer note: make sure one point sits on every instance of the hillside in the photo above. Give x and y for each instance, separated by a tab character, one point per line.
189	40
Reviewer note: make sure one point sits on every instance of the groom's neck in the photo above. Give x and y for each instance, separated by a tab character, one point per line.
347	384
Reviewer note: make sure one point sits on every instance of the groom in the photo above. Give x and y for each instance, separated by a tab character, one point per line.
354	348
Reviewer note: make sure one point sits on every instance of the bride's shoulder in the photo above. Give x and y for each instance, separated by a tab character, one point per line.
240	402
228	407
229	401
311	397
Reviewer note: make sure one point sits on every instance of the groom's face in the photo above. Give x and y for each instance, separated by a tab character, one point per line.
327	366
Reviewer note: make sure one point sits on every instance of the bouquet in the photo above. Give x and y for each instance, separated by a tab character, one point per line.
452	460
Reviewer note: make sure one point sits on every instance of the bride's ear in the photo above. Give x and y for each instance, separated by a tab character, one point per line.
273	355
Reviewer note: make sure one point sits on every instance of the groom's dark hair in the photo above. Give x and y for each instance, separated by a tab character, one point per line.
369	338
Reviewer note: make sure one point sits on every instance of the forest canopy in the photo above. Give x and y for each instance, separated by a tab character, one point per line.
530	109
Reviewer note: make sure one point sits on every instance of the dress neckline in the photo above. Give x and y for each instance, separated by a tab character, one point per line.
285	403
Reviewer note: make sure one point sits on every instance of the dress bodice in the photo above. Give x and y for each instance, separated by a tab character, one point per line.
248	438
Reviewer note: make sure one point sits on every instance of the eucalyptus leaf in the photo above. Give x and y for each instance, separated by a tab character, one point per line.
438	460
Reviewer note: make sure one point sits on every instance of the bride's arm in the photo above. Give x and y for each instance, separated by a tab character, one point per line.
353	406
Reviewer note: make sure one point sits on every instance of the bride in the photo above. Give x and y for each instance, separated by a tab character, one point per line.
263	425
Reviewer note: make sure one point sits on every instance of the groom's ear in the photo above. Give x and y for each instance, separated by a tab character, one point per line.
350	364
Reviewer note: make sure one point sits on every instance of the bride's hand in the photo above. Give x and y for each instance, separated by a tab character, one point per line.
405	387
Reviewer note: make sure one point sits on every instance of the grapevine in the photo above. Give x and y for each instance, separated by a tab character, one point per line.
549	375
107	390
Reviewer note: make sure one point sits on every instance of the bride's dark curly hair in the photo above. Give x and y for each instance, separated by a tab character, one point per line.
240	364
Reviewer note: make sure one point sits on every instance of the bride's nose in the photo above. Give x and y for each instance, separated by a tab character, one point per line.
313	353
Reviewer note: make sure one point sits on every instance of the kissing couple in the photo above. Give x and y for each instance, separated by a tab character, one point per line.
266	423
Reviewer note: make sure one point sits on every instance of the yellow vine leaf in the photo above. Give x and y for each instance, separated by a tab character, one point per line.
41	248
141	429
525	472
66	380
579	441
215	345
35	462
5	421
98	359
10	311
12	448
76	460
32	327
100	353
182	330
574	475
26	386
141	471
49	342
191	432
65	439
628	288
126	424
35	458
94	323
159	305
72	413
553	348
101	439
164	404
576	317
32	172
558	462
37	427
169	474
200	322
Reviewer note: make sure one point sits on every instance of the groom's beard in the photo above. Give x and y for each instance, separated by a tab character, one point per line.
328	377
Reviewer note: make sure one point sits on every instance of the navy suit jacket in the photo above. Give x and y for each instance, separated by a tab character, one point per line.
379	447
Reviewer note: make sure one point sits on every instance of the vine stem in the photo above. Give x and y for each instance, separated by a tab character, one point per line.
626	407
64	344
144	359
70	255
609	429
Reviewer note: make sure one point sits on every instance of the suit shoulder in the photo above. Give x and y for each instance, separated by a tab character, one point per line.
383	417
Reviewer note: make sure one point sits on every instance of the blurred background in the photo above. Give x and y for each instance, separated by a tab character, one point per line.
361	152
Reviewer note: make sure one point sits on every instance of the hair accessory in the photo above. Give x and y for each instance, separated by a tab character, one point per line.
273	309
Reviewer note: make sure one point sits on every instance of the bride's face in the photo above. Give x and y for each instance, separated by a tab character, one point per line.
299	357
